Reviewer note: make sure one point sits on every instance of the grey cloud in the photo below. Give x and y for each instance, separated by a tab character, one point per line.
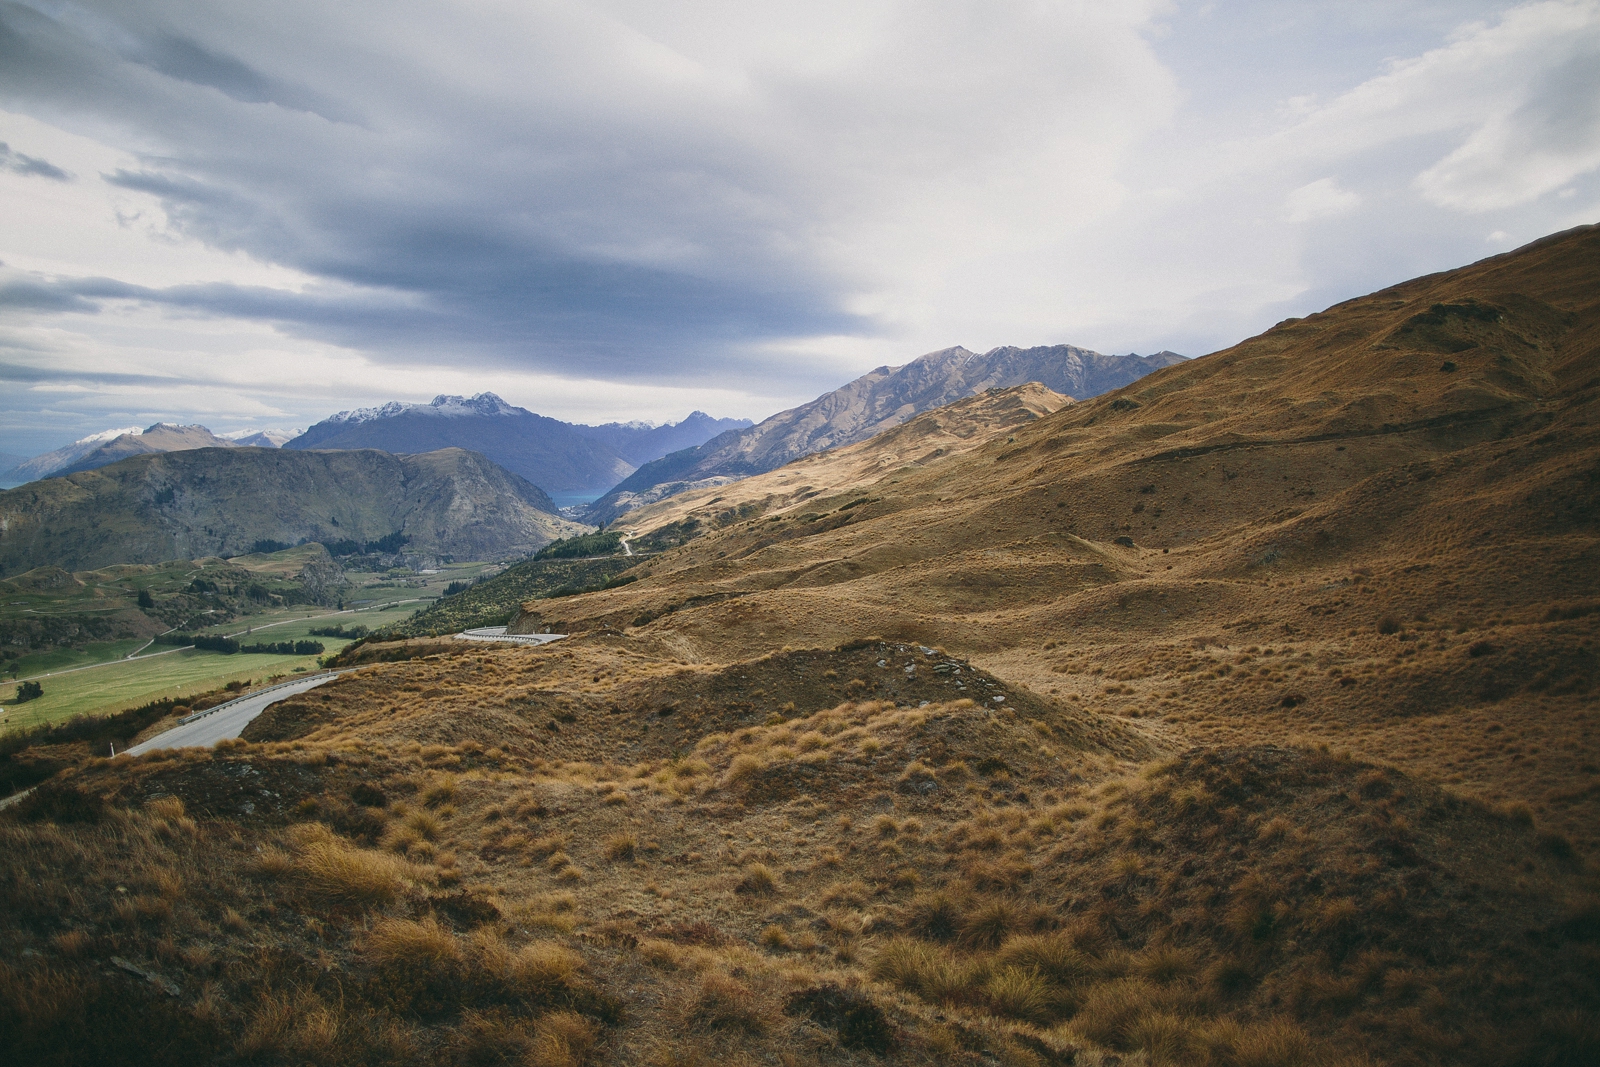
15	372
183	59
22	164
492	228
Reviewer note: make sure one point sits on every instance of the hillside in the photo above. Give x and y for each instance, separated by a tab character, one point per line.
929	438
877	401
1397	491
1242	717
222	502
558	457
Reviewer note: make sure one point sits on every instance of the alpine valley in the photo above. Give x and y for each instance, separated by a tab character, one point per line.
1241	715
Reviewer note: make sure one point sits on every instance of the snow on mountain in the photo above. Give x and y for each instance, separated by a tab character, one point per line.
262	438
65	456
448	406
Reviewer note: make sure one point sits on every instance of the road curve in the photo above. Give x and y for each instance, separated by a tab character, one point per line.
228	721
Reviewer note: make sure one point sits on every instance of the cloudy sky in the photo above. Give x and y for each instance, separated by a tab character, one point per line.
253	215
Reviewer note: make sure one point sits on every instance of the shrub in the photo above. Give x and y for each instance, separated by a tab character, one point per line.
621	846
724	1003
1388	625
1052	955
60	803
859	1022
935	916
989	925
333	871
758	880
1021	993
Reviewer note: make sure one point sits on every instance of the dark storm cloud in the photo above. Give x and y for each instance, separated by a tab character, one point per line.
503	231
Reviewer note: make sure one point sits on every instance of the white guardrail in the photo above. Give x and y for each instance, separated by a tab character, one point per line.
498	634
260	692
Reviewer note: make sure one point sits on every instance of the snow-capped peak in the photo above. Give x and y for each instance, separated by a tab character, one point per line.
107	435
448	406
482	404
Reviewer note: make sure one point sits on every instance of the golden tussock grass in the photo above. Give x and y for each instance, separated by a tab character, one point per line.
1215	817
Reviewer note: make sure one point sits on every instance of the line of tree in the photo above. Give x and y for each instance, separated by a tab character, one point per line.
353	633
229	645
387	544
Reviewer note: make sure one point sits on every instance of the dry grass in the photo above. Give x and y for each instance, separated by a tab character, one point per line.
1219	816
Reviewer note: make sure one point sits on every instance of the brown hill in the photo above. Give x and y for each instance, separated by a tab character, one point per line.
1375	526
929	438
1242	717
875	402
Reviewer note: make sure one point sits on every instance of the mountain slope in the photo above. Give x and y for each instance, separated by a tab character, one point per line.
220	502
875	402
162	437
1386	510
57	460
932	437
557	456
639	444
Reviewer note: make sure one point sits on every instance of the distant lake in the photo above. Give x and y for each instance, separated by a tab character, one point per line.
571	500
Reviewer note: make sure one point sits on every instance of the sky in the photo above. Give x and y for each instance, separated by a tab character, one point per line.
254	215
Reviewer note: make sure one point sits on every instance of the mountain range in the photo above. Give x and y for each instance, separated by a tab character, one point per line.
224	501
876	401
560	457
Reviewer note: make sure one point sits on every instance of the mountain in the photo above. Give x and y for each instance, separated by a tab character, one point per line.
639	443
932	437
262	438
560	457
58	460
162	437
223	501
871	404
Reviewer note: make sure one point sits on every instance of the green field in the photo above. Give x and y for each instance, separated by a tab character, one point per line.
185	672
111	683
62	659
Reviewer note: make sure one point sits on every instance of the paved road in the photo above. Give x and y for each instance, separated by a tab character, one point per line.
228	721
498	633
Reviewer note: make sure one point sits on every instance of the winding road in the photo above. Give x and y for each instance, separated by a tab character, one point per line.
227	720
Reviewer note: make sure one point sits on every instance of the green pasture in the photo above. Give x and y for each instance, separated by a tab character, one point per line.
181	673
63	659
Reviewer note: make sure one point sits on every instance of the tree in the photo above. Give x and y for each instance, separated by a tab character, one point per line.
29	691
145	599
